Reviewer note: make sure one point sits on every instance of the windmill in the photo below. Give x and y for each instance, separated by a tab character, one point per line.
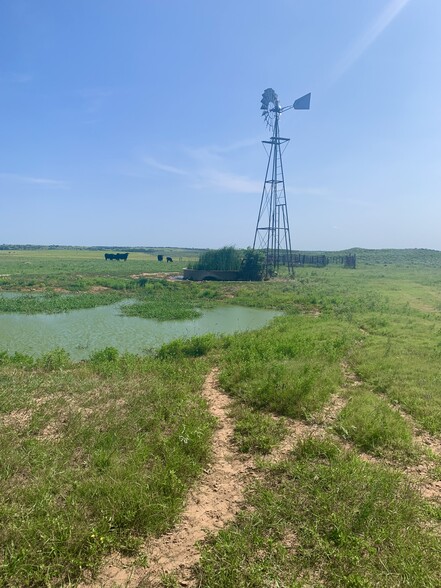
272	229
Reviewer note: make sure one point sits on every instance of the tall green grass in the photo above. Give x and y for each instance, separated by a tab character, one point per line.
400	359
290	368
225	259
373	425
254	431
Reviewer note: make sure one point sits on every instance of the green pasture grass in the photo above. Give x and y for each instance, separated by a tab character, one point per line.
96	456
193	347
161	310
323	517
77	269
291	367
401	358
407	258
331	290
373	425
256	431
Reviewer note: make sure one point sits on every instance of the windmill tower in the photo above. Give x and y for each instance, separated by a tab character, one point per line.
272	234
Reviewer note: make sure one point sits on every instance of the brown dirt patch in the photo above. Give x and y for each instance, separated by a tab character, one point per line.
18	419
157	275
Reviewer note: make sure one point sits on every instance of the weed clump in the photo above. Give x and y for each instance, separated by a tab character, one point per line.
193	347
57	359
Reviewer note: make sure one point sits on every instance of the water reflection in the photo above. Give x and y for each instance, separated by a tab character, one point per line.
82	332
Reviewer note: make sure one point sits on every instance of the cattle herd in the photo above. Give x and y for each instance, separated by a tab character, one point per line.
124	256
116	256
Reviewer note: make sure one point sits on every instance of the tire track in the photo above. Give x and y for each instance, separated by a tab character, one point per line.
214	502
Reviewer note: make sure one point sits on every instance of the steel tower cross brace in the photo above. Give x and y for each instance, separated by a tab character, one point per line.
272	235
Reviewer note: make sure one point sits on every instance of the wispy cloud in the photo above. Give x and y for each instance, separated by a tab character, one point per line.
227	181
237	145
207	169
171	169
211	163
48	182
387	16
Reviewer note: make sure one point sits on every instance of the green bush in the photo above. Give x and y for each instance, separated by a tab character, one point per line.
57	359
17	359
194	347
106	355
225	259
252	265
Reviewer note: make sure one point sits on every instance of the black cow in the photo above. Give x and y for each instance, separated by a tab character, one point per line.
117	256
160	257
169	259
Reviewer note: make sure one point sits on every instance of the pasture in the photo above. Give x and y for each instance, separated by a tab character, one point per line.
78	270
337	403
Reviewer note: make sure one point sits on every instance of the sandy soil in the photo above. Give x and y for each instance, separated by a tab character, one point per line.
156	275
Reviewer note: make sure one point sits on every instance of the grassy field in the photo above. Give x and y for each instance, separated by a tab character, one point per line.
99	455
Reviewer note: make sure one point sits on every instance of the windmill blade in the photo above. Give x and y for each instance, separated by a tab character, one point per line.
269	96
303	102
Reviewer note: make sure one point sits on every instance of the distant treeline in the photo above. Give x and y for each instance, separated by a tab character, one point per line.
346	260
401	257
147	250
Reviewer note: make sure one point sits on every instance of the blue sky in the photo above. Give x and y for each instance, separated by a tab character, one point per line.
138	122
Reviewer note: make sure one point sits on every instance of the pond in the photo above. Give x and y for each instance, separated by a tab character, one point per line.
82	332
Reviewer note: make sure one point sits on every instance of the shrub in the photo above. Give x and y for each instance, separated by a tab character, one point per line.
225	259
252	265
17	359
57	359
194	347
108	354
